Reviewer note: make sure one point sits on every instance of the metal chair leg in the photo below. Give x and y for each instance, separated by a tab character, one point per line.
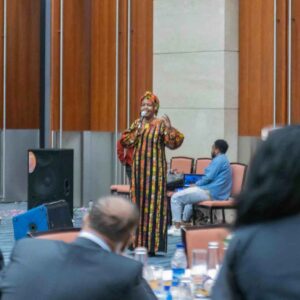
194	215
211	215
169	211
223	215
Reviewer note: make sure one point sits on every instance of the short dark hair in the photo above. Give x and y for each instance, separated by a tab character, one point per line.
114	217
272	188
222	145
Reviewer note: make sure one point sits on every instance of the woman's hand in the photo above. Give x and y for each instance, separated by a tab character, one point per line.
167	121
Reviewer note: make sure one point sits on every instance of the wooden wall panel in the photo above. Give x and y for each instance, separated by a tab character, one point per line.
142	52
76	65
256	66
103	65
23	64
296	61
281	60
89	62
256	55
55	42
244	33
123	23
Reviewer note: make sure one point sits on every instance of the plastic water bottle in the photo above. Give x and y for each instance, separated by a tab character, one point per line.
213	260
168	292
178	264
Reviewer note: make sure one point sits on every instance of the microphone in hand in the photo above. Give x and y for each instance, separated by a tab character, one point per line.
143	114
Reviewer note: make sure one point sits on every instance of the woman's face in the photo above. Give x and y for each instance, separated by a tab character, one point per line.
148	107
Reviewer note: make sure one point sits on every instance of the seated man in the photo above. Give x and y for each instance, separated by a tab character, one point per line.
215	184
89	268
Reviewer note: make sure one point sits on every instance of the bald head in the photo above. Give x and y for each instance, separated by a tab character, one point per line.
114	217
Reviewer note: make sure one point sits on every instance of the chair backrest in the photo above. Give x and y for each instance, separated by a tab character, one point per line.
182	164
201	164
65	235
238	177
198	237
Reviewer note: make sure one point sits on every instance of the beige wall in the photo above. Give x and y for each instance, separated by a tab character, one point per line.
196	71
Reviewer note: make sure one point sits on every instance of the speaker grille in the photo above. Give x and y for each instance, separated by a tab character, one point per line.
50	176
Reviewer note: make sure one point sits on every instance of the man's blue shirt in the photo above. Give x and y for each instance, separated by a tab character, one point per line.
217	178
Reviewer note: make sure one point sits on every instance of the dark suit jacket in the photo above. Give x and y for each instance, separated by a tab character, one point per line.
1	260
262	262
44	269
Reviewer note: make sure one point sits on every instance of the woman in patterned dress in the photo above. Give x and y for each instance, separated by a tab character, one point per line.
150	135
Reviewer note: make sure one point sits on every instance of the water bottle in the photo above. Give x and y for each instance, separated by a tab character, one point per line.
178	264
168	292
213	260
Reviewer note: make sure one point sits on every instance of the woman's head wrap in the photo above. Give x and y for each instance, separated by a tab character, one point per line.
153	98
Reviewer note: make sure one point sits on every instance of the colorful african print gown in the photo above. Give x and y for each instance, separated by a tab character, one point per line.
149	175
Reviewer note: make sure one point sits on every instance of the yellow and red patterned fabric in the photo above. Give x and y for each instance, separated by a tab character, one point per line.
149	175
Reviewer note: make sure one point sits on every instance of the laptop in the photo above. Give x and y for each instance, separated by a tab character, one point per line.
190	179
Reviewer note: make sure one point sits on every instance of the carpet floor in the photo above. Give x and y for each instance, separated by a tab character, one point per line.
9	210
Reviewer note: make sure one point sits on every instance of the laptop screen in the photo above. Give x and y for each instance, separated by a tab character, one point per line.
191	179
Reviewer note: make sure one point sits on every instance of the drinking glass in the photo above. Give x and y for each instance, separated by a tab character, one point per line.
185	289
154	276
198	271
141	255
167	278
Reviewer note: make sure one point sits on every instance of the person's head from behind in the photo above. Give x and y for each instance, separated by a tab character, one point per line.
219	147
272	190
114	219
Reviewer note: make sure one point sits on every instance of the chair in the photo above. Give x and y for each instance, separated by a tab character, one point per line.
182	164
201	164
113	188
124	190
120	189
67	235
198	237
238	178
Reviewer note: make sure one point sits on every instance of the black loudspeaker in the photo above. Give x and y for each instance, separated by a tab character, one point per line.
55	215
50	176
